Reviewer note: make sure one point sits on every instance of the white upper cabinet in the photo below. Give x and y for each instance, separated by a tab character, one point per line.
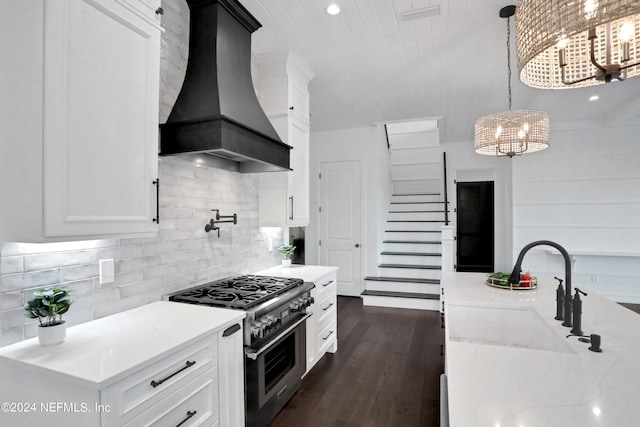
282	84
80	109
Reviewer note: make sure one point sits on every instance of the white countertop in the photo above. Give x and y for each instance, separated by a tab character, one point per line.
308	273
499	386
101	352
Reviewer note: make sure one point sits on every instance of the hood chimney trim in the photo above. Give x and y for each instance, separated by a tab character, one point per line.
253	148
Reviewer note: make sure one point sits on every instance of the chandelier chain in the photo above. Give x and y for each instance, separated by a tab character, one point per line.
509	60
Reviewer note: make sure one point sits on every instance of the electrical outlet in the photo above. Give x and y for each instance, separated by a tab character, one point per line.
107	271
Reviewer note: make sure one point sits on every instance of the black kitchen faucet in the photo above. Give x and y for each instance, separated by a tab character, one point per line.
517	269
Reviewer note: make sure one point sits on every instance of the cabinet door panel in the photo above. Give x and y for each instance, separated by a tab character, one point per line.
298	182
101	115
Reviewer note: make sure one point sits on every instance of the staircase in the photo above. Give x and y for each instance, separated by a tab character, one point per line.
410	262
409	269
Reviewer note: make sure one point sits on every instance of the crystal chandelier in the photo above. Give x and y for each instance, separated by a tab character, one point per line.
514	132
575	43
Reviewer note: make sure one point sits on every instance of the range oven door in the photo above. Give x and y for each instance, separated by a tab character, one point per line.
273	374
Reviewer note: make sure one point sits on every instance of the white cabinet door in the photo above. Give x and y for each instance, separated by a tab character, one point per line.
100	119
282	87
79	119
231	362
298	179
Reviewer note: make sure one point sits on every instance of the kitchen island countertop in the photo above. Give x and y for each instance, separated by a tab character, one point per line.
567	385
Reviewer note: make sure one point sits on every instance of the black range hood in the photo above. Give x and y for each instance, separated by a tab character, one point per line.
217	119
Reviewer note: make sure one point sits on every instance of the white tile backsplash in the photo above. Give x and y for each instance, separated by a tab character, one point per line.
180	256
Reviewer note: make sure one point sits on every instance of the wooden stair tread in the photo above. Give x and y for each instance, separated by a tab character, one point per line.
412	231
367	292
402	279
415	220
421	211
410	253
420	242
421	267
416	194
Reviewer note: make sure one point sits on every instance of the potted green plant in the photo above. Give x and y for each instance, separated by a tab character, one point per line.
286	251
48	305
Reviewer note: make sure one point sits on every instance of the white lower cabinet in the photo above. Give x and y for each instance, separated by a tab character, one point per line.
139	371
322	332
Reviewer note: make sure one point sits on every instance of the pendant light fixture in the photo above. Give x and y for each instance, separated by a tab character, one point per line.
514	132
575	43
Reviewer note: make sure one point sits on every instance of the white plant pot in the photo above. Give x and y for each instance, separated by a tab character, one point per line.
286	263
52	335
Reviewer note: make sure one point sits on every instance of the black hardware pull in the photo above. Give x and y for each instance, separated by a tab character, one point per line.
157	184
327	284
155	383
327	337
291	217
231	330
190	415
159	11
327	307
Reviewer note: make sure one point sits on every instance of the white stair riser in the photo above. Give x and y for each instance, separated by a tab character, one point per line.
412	236
421	206
416	216
410	259
412	247
415	171
419	226
417	186
416	155
416	198
417	288
395	302
415	273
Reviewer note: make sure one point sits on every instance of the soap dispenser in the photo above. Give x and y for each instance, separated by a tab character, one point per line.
559	300
577	312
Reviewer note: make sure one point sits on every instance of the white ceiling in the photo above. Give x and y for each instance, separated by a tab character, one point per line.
370	68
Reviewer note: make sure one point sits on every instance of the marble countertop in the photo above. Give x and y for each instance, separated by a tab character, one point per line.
308	273
103	351
503	386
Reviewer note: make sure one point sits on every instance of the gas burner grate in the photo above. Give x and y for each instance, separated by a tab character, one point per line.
241	292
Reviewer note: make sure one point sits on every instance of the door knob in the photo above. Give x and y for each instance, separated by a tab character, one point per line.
357	245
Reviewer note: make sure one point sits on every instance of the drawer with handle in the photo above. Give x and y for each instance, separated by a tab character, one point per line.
325	286
194	404
131	396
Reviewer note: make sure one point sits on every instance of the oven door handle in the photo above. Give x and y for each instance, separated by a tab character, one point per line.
253	354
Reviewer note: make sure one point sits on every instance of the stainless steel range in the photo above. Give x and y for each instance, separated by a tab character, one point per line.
274	335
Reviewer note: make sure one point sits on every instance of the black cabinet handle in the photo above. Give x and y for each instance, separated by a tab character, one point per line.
157	184
291	217
190	414
155	383
231	330
327	307
159	11
327	337
327	284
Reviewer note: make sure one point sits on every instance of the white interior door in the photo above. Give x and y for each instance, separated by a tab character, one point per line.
340	223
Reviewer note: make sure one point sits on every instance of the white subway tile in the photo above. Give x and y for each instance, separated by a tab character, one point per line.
14	282
11	264
56	259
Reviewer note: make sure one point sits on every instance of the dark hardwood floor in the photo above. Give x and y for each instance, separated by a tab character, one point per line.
386	372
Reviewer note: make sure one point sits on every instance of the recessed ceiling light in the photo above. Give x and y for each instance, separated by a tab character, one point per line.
594	98
333	9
